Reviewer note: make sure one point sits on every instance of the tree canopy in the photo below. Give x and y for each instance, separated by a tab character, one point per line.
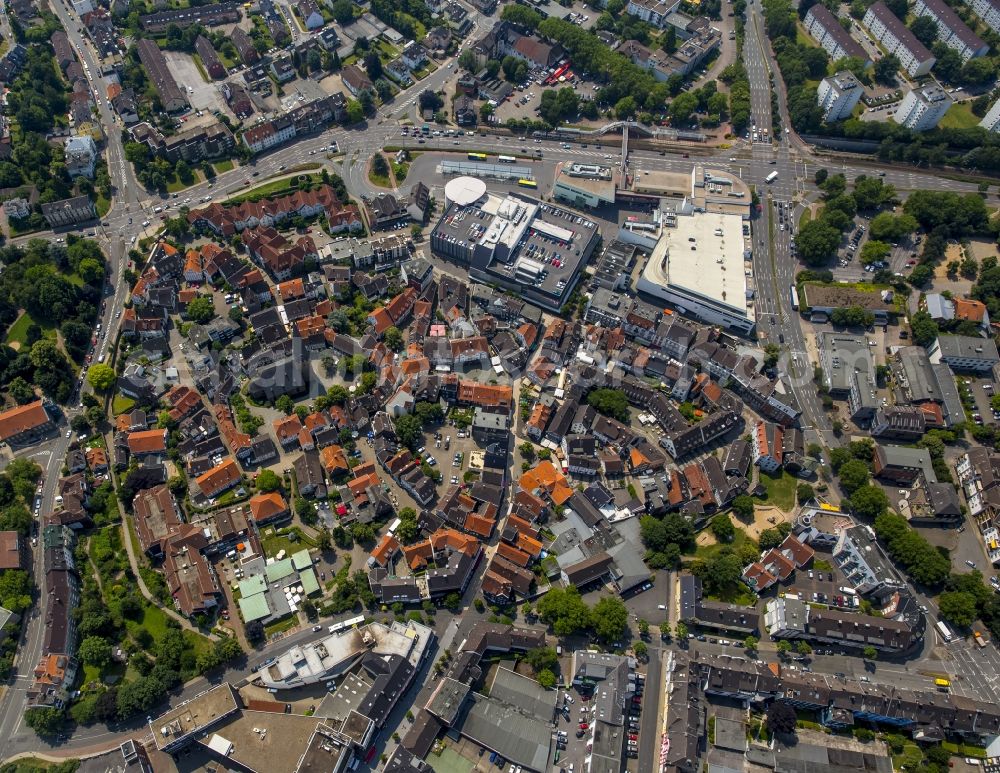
609	402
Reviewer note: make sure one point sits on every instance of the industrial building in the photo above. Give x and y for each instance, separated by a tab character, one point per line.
698	264
585	185
514	241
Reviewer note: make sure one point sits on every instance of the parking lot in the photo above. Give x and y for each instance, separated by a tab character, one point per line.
981	391
202	96
576	730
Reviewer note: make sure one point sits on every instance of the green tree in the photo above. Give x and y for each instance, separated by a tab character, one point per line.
750	644
722	528
853	475
542	658
45	721
869	653
924	29
610	618
958	607
609	402
268	481
869	502
393	338
803	648
640	649
343	11
874	250
817	242
95	651
682	631
564	610
546	679
201	309
101	376
743	507
409	430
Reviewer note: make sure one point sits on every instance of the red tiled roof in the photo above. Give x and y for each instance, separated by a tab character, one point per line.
263	507
22	419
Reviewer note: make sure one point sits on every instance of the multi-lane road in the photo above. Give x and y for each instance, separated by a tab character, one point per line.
774	269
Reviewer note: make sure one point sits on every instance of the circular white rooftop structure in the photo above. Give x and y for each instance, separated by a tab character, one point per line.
464	191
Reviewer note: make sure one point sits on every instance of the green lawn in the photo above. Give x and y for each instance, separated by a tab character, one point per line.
154	620
103	205
176	186
910	758
274	188
122	404
282	625
380	180
780	489
223	166
960	116
276	541
18	332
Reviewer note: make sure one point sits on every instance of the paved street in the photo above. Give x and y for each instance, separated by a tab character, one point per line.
973	671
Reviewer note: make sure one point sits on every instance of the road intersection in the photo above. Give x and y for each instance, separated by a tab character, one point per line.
774	269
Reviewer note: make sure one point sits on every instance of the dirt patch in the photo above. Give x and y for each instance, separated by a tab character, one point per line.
706	538
764	517
981	248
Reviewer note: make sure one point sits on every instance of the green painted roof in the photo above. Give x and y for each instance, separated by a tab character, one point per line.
252	585
254	607
301	560
308	581
279	570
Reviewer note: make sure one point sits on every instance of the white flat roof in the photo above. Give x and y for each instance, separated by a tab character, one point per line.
703	255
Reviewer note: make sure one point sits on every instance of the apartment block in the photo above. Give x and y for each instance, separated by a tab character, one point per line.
922	109
897	39
653	11
838	94
988	11
991	121
835	40
951	30
155	64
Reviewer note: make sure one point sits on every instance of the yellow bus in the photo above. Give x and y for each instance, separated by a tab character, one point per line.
477	157
527	183
942	684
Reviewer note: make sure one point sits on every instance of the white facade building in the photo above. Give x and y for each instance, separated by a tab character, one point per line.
838	94
81	156
951	30
922	109
988	11
991	121
897	39
825	28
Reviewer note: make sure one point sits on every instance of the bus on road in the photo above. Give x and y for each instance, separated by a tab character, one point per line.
944	630
771	177
477	157
795	298
527	183
942	684
506	159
